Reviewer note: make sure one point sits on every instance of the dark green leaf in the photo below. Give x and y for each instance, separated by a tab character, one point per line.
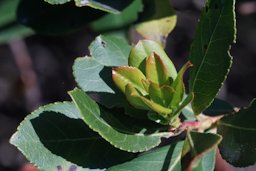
239	136
54	136
120	133
200	148
55	19
94	74
115	21
161	159
218	107
210	51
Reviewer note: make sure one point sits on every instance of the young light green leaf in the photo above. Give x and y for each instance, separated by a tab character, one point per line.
117	132
7	12
125	75
178	86
239	136
164	158
156	71
115	21
134	99
197	145
157	21
210	51
55	134
161	95
143	49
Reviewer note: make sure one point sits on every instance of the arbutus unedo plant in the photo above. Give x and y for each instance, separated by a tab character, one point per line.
131	110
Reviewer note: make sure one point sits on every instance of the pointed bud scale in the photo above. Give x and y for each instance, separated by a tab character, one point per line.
128	75
178	85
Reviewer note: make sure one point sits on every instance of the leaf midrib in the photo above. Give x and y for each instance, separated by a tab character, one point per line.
210	42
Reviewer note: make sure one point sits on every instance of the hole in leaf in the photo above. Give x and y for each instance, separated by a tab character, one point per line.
103	44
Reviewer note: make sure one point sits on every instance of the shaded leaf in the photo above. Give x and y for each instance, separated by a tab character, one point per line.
14	32
56	135
219	107
239	136
210	52
164	158
93	74
200	147
115	21
143	49
121	136
55	19
7	12
157	20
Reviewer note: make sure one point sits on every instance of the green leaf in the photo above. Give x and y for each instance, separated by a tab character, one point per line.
161	95
14	32
124	75
210	51
156	71
55	19
54	136
143	49
120	133
200	147
7	11
93	74
164	158
179	87
157	21
115	21
57	2
134	99
239	136
111	6
219	107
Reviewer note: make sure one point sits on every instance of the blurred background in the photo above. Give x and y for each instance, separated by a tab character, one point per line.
37	69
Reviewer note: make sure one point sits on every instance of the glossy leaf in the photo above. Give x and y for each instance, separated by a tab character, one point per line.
157	21
143	49
93	74
55	19
54	136
198	147
121	134
164	158
111	6
115	21
210	52
128	75
156	71
239	136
